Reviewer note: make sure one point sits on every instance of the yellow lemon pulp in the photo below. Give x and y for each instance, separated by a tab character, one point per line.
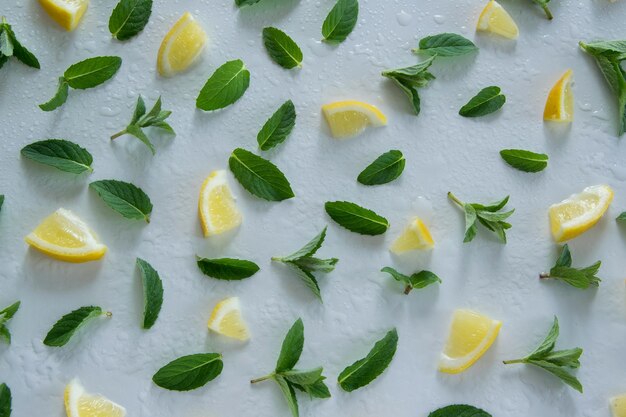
78	403
471	335
65	237
216	205
226	319
66	13
579	212
495	19
415	236
349	118
181	46
618	406
560	102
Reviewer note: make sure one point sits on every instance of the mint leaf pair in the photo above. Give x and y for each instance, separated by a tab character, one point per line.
11	47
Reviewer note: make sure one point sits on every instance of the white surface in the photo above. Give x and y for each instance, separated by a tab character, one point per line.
444	152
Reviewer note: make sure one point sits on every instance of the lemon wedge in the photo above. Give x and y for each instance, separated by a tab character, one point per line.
495	19
579	212
415	236
218	212
560	102
181	46
226	319
64	236
618	406
471	335
79	403
349	118
66	13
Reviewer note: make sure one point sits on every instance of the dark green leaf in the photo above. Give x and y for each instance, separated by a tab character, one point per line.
19	51
411	78
60	154
227	84
470	223
568	357
411	92
311	264
356	218
59	98
621	217
125	198
281	48
10	311
227	269
64	329
340	21
526	161
548	343
487	101
189	372
446	44
152	292
308	278
560	373
1	200
417	280
307	250
459	410
292	347
140	110
300	377
129	18
290	395
240	3
259	176
6	315
5	401
565	257
92	71
316	390
278	127
384	169
136	131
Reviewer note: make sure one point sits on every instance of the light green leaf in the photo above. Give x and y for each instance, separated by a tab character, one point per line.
152	292
290	395
311	264
227	84
621	217
259	176
565	257
5	400
316	390
6	315
446	45
340	21
386	168
189	372
523	160
291	348
129	18
548	343
356	218
60	154
560	373
488	100
308	278
6	44
66	327
307	250
281	48
125	198
278	127
459	410
92	71
300	377
59	98
409	79
227	268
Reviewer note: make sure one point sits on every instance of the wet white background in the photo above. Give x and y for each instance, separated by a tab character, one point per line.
444	152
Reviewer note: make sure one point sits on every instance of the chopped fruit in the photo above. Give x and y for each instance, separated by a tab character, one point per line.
218	212
181	46
66	13
349	118
65	237
579	212
78	403
226	320
495	19
415	236
560	103
618	406
471	335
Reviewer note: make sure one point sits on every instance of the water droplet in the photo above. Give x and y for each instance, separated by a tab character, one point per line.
319	48
439	19
584	106
403	18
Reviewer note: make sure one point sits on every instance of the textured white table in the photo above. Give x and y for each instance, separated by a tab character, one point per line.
444	152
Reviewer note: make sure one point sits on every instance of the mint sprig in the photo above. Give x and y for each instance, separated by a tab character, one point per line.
489	215
5	315
576	277
10	46
418	280
409	79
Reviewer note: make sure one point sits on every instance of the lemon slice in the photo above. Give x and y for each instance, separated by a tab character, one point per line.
218	212
579	212
471	335
618	406
79	403
560	103
415	236
226	320
495	19
349	118
181	46
66	13
65	237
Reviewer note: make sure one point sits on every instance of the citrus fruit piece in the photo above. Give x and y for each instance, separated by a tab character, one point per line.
560	102
66	13
181	46
349	118
579	212
218	212
415	236
618	406
471	335
495	19
64	236
79	403
226	319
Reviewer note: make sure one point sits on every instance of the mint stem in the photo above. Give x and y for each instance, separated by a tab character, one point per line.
547	11
118	134
544	275
513	361
453	198
408	289
263	378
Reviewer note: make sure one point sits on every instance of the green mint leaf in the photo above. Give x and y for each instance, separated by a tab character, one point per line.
308	278
92	72
129	18
544	5
3	60
312	264
621	217
459	410
565	257
6	44
277	127
316	390
470	223
340	21
307	250
1	200
384	169
240	3
526	161
227	84
127	199
66	327
59	98
572	276
60	154
606	48
487	215
290	395
487	101
140	110
411	92
259	176
6	315
548	343
5	400
300	377
445	44
281	48
291	348
136	131
17	49
577	277
365	370
189	372
417	280
152	293
568	357
409	79
560	373
227	268
356	218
